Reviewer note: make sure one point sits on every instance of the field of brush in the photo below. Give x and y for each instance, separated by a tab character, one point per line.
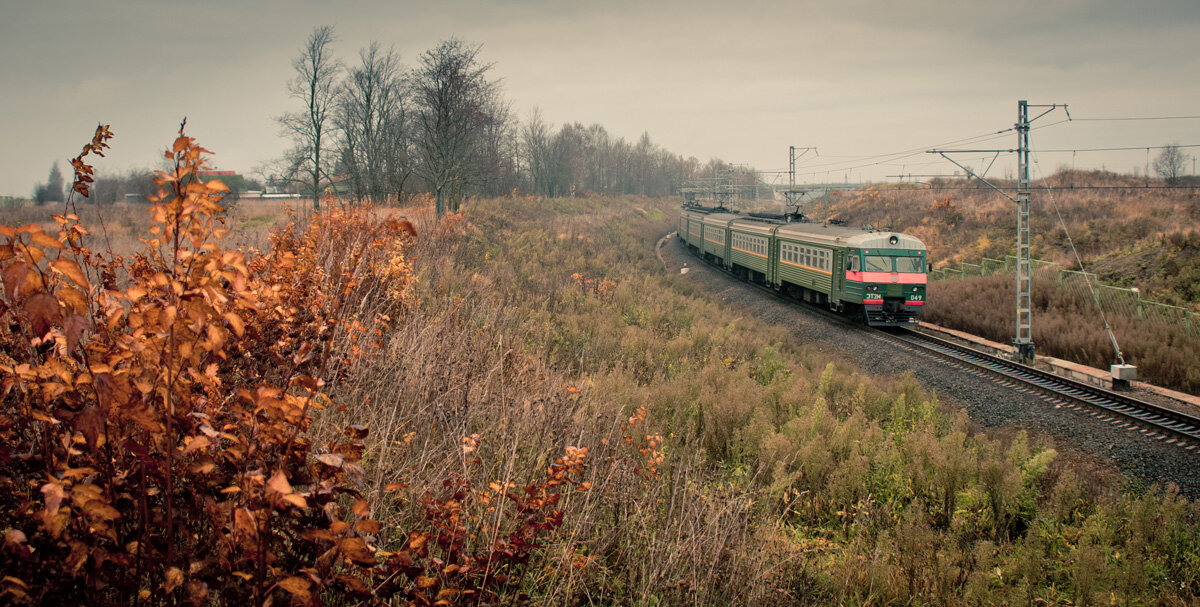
547	416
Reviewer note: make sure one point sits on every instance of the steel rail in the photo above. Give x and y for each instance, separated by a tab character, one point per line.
1141	412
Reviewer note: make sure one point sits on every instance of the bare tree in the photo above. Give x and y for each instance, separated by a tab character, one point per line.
642	163
1170	163
372	116
535	149
492	169
314	85
452	96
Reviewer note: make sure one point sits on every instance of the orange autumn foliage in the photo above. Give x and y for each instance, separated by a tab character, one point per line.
152	431
154	444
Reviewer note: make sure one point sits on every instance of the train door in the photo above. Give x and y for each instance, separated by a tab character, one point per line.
773	259
839	276
729	244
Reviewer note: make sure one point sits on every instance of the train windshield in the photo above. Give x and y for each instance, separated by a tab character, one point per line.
883	263
908	264
877	263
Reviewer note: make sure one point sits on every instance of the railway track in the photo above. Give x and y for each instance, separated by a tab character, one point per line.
1123	410
1174	426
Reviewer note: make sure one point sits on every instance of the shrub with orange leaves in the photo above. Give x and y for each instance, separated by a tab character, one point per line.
152	433
462	556
451	225
647	446
600	287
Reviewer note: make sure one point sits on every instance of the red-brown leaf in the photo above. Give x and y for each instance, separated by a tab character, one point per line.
46	241
279	483
14	537
353	584
90	422
298	587
235	322
71	270
195	443
355	549
53	494
73	327
106	388
332	460
74	299
174	579
43	311
14	277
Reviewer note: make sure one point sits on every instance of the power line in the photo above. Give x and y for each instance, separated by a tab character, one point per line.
1125	149
1054	188
891	158
855	162
895	155
1121	119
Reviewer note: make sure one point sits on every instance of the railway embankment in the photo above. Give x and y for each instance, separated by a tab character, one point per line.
1173	399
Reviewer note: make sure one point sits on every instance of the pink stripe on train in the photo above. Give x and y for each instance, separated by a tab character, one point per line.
904	278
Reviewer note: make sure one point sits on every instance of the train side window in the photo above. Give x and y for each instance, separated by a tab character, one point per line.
853	263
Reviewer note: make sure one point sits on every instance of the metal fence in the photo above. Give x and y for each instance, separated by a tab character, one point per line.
1115	301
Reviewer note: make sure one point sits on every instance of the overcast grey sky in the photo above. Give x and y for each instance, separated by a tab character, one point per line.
737	80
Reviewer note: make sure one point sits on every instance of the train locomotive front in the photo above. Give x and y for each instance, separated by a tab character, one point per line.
886	276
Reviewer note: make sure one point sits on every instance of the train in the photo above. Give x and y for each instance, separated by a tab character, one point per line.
877	277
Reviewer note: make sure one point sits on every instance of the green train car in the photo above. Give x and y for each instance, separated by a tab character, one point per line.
878	276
